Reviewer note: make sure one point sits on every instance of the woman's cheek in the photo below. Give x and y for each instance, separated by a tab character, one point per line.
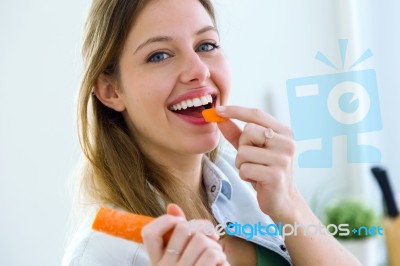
221	76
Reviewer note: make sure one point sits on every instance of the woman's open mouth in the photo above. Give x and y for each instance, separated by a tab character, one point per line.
190	109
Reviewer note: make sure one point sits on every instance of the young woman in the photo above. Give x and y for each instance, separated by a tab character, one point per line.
151	67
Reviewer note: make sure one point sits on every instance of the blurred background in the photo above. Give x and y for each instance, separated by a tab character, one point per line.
266	42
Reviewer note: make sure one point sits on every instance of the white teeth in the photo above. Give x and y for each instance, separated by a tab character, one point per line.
195	102
184	104
204	100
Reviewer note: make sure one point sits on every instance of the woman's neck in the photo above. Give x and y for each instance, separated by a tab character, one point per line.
188	168
188	171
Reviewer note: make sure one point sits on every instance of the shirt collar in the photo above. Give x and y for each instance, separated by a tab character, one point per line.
215	181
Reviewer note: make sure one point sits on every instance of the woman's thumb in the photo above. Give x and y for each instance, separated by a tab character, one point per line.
175	210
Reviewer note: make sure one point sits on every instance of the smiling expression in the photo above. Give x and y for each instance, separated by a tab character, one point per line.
171	68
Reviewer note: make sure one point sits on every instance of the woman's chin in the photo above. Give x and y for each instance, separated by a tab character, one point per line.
204	146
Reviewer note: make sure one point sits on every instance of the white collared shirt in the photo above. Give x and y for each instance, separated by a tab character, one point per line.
232	201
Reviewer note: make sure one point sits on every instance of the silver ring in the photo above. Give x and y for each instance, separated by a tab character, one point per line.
172	251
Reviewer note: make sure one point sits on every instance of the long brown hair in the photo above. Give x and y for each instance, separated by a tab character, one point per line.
117	172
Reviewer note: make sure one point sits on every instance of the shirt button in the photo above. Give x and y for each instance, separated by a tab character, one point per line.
283	248
213	188
228	229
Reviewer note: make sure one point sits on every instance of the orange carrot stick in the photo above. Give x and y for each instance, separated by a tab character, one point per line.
122	224
210	115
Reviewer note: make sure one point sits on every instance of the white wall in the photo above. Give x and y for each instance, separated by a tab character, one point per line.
383	31
266	42
40	66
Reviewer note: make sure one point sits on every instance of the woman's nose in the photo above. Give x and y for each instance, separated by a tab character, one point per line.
194	69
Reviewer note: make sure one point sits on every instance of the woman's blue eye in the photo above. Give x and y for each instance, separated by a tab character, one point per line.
158	57
206	47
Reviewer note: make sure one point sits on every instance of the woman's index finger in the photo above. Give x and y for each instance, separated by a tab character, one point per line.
250	115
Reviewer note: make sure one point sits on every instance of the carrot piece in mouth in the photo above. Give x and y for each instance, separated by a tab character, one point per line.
122	224
210	115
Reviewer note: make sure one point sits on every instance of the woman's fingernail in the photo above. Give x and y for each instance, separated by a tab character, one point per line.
181	218
220	109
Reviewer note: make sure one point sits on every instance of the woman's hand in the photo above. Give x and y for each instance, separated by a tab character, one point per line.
265	159
265	150
186	246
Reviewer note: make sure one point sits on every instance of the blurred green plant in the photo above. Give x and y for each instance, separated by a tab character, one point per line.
351	212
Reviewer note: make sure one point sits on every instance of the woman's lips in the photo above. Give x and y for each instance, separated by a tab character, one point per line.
190	109
189	105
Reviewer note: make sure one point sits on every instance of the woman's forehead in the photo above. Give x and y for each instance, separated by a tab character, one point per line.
161	17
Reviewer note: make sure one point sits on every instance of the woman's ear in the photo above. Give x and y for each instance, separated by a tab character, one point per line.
106	90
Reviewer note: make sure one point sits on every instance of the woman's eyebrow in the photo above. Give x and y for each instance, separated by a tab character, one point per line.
167	38
152	40
205	29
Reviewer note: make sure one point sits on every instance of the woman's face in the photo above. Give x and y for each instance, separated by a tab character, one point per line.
171	61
